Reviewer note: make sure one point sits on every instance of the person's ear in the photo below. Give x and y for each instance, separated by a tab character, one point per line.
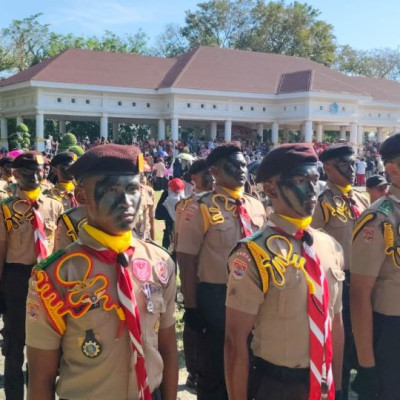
80	195
270	189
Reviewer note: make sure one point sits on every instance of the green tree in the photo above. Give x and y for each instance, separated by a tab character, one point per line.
171	42
293	29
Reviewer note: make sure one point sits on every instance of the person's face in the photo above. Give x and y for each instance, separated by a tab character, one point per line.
46	170
296	194
6	169
377	192
111	201
203	180
231	172
341	171
29	178
61	171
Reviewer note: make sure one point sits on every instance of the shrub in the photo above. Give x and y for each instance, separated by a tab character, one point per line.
77	150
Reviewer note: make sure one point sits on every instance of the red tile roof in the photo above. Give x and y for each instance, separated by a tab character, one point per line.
204	68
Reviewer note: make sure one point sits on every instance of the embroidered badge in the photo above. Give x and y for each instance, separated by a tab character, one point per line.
368	234
32	310
238	269
385	208
162	271
157	326
91	347
190	211
141	269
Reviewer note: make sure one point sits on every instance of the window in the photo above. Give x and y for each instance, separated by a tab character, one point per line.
264	109
343	108
284	108
188	105
214	106
120	103
241	108
58	99
388	116
369	114
202	105
295	108
148	105
321	107
379	115
252	108
87	101
72	100
133	104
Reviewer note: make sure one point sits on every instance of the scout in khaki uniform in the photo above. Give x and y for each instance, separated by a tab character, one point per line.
101	313
336	212
210	227
64	188
27	227
6	177
45	184
144	228
201	177
68	226
375	287
285	282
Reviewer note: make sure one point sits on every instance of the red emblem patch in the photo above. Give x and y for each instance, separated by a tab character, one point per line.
32	310
368	234
162	271
238	269
141	269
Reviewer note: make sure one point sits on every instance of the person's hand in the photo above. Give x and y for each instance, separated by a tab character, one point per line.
366	383
194	319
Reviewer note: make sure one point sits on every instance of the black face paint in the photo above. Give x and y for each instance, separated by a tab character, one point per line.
235	170
299	189
206	180
65	176
30	178
346	166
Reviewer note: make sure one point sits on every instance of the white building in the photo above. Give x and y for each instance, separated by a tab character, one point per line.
220	91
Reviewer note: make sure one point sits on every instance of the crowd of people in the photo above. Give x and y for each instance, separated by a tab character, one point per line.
290	284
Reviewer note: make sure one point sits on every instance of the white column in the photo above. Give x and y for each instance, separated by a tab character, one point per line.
260	131
379	134
320	132
174	128
4	133
20	120
61	127
40	132
360	135
115	130
161	129
104	127
353	134
275	133
228	131
213	130
342	132
308	131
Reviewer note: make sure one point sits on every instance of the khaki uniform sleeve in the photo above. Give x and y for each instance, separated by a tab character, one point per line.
244	291
61	238
167	319
368	247
191	230
39	332
318	221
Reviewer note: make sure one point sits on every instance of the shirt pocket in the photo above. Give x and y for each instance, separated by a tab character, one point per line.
222	235
151	320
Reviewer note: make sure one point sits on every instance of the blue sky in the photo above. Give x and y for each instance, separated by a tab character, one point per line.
364	24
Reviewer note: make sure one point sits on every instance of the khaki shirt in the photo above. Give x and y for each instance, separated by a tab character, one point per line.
4	183
375	251
333	215
68	226
86	279
282	330
59	193
210	228
16	232
143	228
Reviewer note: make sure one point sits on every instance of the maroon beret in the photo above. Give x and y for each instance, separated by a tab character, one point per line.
336	150
223	151
107	159
28	159
284	158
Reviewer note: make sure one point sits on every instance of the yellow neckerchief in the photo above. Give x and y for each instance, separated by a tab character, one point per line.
118	243
32	195
68	186
301	223
235	194
344	189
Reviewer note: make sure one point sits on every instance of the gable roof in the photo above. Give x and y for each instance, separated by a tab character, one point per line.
204	68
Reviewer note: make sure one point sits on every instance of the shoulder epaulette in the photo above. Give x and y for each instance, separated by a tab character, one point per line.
361	223
199	198
49	260
157	245
385	207
251	238
7	200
